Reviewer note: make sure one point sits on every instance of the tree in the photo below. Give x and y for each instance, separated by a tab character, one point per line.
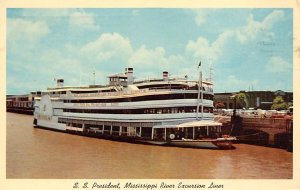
242	100
279	104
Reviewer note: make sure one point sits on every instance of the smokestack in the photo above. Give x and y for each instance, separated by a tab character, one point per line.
165	75
129	73
60	82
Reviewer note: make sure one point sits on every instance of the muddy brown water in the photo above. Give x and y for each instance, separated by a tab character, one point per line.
39	153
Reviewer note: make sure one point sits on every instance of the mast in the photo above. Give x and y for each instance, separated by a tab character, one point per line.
200	97
210	70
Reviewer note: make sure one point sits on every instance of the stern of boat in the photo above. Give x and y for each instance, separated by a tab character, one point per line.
225	142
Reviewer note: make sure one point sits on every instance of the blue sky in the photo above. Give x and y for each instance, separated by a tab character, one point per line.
245	47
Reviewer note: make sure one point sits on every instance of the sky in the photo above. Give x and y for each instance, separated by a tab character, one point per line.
247	49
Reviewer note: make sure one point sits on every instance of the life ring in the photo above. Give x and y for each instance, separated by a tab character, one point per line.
172	136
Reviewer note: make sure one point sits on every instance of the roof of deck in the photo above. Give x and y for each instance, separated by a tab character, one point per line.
190	124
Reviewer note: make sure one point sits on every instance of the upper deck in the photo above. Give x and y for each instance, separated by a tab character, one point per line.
123	84
132	90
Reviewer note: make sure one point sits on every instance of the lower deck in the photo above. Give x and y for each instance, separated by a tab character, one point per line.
198	134
155	131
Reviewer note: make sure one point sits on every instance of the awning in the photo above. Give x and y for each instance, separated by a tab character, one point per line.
200	124
190	124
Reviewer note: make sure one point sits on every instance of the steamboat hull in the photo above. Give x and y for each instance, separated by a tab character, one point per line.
201	144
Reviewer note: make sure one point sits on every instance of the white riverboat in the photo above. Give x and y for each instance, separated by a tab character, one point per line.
163	111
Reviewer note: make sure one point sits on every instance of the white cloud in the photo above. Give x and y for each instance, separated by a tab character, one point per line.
200	17
157	60
77	18
278	65
249	31
40	72
199	48
59	63
272	18
83	20
21	32
107	46
203	49
232	83
254	28
152	62
74	70
111	48
144	57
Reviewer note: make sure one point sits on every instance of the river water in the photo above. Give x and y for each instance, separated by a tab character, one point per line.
40	153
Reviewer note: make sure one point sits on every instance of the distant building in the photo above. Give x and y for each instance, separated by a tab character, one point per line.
20	103
256	99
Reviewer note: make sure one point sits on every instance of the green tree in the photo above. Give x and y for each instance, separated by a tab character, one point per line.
242	100
279	104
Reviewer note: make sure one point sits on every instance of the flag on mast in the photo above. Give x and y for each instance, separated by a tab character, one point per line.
199	64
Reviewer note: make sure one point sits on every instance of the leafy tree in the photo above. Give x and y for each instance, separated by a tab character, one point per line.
279	104
242	100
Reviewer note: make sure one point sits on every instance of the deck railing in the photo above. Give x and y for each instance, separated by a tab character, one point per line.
131	92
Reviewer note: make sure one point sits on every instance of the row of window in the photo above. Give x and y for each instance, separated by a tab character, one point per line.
80	92
172	86
164	86
92	91
28	104
107	129
187	109
144	98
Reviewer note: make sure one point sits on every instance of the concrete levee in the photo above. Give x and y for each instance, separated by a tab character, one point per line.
271	126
